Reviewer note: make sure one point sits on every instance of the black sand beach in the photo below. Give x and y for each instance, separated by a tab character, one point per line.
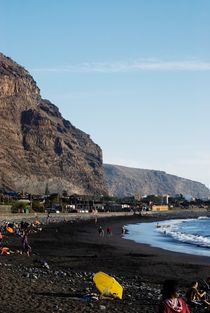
74	251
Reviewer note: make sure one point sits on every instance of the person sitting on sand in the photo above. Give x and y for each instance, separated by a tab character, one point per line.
205	284
171	303
196	297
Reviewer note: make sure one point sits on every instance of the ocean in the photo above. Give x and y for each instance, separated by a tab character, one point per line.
190	236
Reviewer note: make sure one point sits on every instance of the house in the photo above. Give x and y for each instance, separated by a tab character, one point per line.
160	207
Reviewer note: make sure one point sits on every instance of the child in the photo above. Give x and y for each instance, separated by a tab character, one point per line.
171	303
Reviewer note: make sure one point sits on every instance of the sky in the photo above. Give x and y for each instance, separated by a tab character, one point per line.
134	74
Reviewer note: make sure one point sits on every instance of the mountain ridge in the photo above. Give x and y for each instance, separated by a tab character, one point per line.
38	146
125	181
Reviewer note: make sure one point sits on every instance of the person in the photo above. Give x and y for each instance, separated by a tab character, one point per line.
171	303
109	231
101	231
123	230
48	218
25	244
196	297
206	284
1	237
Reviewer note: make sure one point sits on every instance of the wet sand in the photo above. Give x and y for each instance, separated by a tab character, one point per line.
74	251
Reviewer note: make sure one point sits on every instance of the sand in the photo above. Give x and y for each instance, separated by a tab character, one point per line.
74	251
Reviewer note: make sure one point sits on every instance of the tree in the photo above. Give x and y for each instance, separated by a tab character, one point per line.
37	206
64	193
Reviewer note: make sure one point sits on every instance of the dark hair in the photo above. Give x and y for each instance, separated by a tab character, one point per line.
193	283
169	288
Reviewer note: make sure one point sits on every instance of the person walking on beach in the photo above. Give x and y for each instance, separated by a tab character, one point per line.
171	303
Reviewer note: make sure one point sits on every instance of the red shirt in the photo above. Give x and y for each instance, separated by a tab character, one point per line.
164	307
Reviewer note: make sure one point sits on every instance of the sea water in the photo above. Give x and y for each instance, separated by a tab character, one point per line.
190	236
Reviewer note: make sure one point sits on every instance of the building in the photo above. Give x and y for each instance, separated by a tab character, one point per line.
160	207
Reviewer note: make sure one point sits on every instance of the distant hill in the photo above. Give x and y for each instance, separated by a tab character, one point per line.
125	181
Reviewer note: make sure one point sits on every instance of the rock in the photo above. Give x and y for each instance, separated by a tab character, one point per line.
102	307
47	150
56	307
35	276
90	305
46	265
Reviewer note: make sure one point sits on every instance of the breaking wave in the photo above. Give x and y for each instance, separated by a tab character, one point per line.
190	236
188	231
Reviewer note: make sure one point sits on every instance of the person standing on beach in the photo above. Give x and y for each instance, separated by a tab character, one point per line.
25	244
48	218
109	231
1	237
101	231
171	303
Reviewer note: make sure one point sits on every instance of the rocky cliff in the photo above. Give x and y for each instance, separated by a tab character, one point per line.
39	147
124	181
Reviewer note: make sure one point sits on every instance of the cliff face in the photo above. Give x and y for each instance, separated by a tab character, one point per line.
38	146
124	181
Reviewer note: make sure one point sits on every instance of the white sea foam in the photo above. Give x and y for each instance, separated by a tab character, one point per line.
203	218
172	229
190	236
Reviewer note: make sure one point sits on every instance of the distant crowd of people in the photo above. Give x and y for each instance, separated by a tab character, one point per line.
21	230
101	231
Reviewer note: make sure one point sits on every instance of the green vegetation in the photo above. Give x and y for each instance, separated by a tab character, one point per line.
76	203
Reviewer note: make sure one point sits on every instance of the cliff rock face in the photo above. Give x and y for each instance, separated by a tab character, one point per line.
124	181
39	147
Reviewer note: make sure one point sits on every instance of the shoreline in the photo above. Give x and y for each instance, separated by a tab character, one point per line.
166	235
116	221
74	251
128	244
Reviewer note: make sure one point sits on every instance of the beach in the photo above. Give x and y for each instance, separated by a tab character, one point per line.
74	250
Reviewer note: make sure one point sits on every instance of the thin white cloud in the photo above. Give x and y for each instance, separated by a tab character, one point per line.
134	66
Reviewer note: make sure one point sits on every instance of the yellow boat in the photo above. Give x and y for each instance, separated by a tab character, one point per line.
107	285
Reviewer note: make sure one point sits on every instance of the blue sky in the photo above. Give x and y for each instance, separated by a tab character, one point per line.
134	74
